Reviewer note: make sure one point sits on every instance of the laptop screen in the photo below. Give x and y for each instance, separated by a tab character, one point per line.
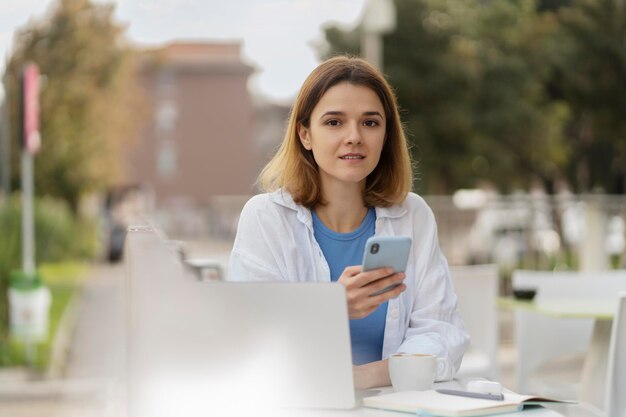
204	347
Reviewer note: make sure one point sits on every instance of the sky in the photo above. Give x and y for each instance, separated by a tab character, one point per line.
279	36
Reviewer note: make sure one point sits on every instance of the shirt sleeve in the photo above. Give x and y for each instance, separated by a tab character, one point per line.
435	325
253	254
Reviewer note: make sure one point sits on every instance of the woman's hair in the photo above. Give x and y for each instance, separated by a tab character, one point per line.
293	167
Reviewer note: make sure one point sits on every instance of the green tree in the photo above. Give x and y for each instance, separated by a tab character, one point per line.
592	78
88	102
520	127
470	77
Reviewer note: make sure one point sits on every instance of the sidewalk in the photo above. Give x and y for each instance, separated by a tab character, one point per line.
95	360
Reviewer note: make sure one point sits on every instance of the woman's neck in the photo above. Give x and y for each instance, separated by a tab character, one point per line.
344	210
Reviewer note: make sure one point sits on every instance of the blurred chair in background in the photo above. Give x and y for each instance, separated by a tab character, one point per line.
550	350
615	399
562	342
477	288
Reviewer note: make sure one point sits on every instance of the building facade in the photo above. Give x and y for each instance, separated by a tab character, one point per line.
198	138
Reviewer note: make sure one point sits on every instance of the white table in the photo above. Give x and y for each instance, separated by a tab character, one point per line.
593	379
372	412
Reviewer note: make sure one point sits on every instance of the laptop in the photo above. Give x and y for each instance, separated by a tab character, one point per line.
218	348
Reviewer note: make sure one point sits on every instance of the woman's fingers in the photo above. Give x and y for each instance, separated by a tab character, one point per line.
388	295
365	291
360	306
381	284
368	277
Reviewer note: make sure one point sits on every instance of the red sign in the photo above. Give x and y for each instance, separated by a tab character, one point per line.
32	139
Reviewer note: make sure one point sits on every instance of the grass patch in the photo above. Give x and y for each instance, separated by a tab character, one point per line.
63	279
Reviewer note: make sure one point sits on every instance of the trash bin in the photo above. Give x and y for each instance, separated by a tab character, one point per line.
29	308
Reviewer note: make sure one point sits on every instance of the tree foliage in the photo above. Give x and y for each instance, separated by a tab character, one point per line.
492	90
88	101
592	70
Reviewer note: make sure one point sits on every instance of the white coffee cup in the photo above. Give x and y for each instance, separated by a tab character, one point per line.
412	372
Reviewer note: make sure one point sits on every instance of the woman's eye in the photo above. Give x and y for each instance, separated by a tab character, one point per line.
371	123
333	122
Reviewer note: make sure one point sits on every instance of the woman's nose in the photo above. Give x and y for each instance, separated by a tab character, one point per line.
353	136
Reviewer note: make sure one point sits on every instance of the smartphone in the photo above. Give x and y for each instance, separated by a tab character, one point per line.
386	251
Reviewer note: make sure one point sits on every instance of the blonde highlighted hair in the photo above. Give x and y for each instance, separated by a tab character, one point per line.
294	169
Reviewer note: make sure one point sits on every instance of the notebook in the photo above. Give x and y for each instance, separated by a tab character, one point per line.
218	348
433	403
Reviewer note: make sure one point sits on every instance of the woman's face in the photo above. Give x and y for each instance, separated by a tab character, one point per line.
346	134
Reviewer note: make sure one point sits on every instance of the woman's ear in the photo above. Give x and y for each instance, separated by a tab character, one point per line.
305	137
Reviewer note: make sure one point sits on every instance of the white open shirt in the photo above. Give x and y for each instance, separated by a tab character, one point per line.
275	242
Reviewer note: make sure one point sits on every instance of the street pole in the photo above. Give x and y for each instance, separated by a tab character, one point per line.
372	48
28	237
5	142
28	229
31	143
379	18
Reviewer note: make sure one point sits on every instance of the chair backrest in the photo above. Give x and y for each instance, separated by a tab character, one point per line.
545	337
540	338
477	288
551	284
615	399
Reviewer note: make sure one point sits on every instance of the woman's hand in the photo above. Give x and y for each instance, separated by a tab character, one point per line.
361	285
370	375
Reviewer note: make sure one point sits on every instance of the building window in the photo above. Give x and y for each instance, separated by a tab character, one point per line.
166	160
166	117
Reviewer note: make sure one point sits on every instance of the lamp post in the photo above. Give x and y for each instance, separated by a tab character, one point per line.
5	141
29	300
379	18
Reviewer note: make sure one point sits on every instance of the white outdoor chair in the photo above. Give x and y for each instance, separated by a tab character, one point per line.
477	288
551	350
541	339
615	399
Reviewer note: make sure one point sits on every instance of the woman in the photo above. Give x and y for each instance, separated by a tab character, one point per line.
341	175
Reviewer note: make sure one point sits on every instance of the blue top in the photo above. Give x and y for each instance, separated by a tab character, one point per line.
346	249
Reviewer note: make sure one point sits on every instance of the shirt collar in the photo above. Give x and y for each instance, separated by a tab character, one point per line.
283	198
392	212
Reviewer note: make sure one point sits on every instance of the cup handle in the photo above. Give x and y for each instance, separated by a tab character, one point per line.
442	367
